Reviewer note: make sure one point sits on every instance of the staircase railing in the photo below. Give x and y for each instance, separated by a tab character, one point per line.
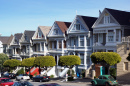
64	72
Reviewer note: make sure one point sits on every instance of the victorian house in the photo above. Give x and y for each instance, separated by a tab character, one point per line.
5	43
26	44
39	41
57	43
15	47
111	33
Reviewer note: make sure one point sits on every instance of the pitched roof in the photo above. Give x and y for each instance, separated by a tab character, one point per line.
122	17
10	39
6	39
29	34
89	21
45	29
63	25
18	35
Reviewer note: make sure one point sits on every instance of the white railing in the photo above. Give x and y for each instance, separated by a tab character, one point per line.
16	70
64	72
51	71
126	39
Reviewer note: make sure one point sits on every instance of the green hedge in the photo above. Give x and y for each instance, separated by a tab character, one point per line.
21	71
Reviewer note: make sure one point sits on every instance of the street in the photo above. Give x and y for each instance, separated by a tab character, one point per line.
64	83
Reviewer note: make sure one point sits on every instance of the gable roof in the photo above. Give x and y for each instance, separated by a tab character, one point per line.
29	34
63	25
45	29
6	39
18	35
89	21
122	17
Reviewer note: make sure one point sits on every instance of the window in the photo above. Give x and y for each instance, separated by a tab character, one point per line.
77	26
25	37
81	40
50	44
110	35
64	44
106	18
104	77
39	35
55	31
42	45
60	44
100	38
126	66
117	35
82	58
73	41
88	42
55	44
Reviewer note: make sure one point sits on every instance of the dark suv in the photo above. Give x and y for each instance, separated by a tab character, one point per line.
10	75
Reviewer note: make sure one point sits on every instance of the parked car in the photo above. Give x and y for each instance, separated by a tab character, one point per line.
41	78
22	83
23	76
6	82
107	80
10	75
50	84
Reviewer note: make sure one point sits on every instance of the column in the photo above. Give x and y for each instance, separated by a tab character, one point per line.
62	47
106	36
57	46
85	55
119	35
78	41
114	35
40	47
85	41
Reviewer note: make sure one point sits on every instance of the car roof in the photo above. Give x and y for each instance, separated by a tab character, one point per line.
105	75
4	78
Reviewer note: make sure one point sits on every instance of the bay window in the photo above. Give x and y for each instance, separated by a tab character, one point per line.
110	35
82	58
81	40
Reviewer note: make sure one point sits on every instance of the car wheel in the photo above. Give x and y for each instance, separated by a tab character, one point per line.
107	84
40	80
93	83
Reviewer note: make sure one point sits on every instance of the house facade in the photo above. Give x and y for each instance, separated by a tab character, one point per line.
26	44
109	35
15	47
57	44
80	39
39	41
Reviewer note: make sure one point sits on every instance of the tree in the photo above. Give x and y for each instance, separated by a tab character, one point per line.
44	61
12	63
106	58
28	62
128	58
3	58
69	61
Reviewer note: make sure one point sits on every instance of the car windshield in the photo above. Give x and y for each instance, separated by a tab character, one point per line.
5	80
111	78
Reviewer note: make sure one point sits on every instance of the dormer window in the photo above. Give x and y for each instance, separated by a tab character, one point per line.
77	26
39	35
25	37
106	18
55	32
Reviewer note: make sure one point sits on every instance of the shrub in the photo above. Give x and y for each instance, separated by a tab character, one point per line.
113	72
21	71
51	76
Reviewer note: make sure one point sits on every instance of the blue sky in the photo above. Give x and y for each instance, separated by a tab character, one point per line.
19	15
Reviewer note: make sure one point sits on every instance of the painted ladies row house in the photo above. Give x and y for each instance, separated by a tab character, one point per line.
111	33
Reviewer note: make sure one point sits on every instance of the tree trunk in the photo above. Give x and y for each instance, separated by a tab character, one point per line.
70	71
29	71
108	70
39	70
